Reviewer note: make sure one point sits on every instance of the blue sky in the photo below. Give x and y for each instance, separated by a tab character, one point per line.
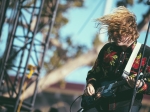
82	28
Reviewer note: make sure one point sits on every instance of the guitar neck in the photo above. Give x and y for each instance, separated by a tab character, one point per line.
119	83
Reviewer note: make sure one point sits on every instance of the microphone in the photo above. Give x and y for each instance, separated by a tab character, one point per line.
148	2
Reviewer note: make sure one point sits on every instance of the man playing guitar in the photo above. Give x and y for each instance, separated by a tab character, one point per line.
112	60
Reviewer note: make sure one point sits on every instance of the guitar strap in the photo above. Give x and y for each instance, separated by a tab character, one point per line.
127	69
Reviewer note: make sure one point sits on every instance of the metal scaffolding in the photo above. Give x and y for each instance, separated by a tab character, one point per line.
26	26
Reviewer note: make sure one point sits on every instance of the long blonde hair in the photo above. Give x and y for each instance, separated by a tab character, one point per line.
121	20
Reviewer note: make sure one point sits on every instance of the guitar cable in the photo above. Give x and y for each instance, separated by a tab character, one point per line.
74	102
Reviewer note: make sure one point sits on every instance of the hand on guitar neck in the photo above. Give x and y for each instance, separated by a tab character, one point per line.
131	82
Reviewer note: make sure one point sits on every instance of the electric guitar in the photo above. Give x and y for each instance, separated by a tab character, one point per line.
107	89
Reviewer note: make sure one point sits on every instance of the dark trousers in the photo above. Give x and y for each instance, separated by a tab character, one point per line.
125	109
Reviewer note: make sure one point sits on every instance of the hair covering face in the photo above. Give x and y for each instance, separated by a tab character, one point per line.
120	21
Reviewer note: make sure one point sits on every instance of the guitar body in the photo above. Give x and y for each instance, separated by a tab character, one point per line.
89	102
106	89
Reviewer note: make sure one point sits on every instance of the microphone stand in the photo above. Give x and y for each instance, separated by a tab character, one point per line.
134	90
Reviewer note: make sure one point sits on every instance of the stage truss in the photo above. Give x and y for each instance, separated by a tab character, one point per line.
26	27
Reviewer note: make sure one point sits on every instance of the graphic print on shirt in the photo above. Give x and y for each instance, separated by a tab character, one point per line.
110	57
137	61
